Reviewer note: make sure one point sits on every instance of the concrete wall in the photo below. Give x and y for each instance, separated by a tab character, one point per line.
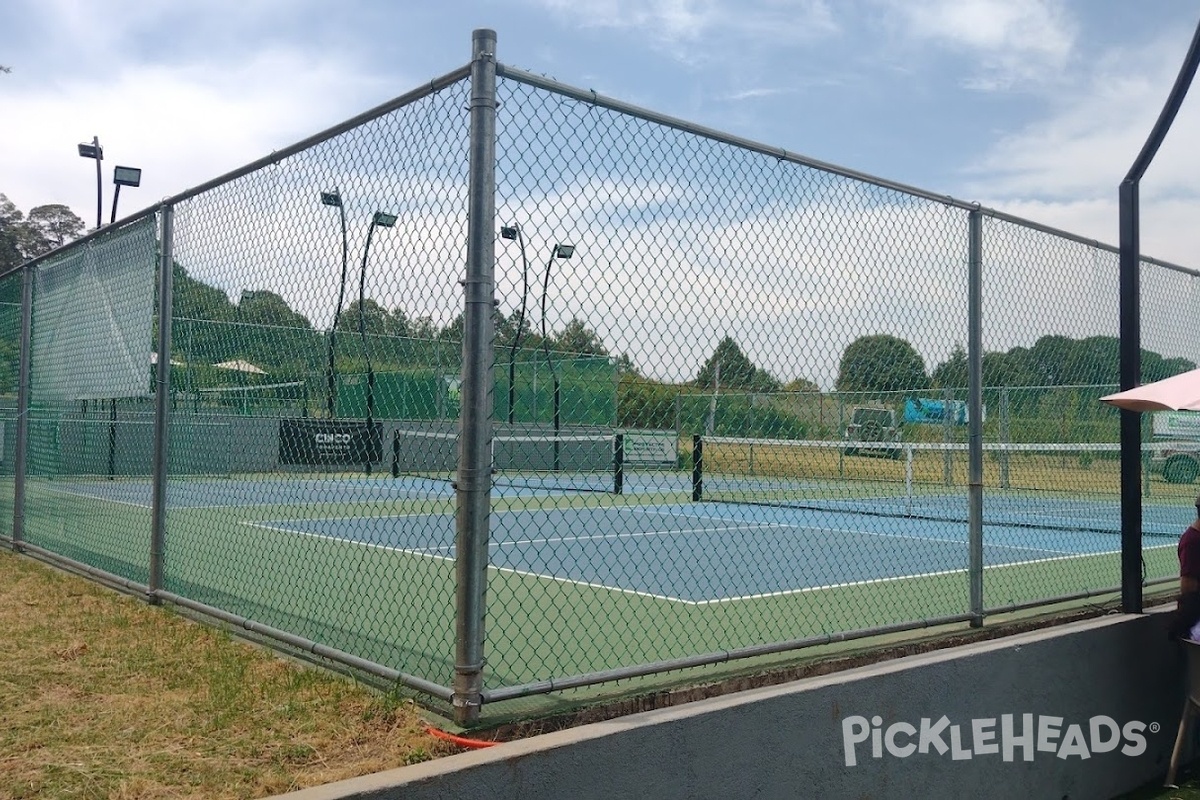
1104	697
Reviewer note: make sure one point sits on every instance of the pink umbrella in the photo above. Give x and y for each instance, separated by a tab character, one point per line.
1178	393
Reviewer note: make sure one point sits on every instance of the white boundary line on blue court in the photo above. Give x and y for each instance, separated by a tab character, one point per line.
859	532
428	554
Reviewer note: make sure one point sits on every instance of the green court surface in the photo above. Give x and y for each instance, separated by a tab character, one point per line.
375	576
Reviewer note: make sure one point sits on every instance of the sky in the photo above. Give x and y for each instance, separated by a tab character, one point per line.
1032	107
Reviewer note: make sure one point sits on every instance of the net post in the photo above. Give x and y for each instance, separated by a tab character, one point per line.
908	479
697	468
22	445
396	453
112	438
474	478
1004	437
162	400
975	415
619	464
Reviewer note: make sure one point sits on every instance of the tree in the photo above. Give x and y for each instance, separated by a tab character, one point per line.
54	225
23	238
881	363
375	318
578	338
737	371
951	373
12	223
262	307
396	323
801	385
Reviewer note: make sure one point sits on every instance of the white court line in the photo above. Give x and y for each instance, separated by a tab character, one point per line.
87	496
911	537
427	554
431	552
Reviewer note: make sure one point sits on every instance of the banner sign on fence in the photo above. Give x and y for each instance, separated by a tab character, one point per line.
651	448
329	441
924	411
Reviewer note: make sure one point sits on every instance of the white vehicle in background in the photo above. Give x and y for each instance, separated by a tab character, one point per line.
873	430
1175	453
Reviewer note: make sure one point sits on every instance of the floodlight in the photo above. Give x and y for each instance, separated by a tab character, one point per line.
507	232
384	219
91	150
123	176
331	199
127	176
564	250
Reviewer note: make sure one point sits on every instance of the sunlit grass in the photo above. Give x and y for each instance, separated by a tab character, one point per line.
105	696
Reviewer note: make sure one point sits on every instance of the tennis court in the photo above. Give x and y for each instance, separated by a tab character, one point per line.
718	552
733	552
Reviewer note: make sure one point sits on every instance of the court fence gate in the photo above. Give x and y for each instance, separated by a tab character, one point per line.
606	395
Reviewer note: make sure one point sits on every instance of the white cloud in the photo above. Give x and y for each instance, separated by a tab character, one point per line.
181	124
1015	42
687	28
1064	170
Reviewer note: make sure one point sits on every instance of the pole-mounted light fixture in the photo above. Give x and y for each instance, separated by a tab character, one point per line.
94	151
560	251
334	199
123	176
513	233
381	219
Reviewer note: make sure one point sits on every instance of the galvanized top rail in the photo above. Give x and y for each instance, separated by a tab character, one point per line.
434	86
599	100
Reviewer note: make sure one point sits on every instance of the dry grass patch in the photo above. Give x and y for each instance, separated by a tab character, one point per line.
103	696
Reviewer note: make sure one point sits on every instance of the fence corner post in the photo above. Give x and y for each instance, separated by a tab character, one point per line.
474	484
21	449
162	401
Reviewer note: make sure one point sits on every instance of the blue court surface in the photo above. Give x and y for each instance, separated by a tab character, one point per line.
707	552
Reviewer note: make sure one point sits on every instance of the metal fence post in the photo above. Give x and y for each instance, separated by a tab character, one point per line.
20	455
162	400
473	488
975	414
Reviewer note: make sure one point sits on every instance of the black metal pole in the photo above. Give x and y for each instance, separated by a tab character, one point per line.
1130	331
116	194
112	439
557	423
362	335
549	360
512	353
99	183
330	372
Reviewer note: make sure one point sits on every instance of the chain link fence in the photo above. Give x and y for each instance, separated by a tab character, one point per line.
691	399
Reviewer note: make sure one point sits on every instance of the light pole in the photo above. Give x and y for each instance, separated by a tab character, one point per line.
381	219
335	199
514	233
123	176
562	251
95	151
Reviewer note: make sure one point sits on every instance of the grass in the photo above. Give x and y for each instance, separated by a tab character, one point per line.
104	696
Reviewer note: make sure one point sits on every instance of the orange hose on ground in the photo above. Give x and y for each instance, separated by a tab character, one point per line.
461	741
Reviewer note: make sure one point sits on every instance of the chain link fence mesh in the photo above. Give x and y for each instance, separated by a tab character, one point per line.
90	420
729	397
